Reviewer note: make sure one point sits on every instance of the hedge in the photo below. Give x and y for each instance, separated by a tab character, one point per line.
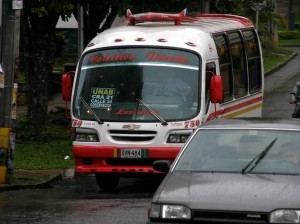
287	35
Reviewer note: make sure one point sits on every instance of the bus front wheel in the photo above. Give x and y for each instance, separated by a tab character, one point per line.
107	181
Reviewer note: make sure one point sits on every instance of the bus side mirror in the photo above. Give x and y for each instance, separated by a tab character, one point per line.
67	84
216	89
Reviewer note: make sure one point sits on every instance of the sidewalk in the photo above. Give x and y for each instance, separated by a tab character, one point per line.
23	179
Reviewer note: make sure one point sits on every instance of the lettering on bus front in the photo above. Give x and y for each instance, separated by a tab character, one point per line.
150	56
123	111
108	58
153	56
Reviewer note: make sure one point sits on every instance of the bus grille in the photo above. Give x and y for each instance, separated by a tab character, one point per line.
218	217
132	136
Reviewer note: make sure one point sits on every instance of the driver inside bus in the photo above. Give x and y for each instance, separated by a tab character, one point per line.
177	87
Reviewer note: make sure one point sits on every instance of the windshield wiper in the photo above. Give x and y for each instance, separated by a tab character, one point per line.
163	122
259	157
90	109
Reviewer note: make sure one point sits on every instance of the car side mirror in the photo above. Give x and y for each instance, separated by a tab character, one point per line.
162	165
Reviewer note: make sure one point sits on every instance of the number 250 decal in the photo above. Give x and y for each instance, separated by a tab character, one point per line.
191	124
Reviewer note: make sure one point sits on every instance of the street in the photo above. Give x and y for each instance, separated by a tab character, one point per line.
277	88
79	200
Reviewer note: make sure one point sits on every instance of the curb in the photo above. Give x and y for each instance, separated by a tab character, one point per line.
39	185
268	73
38	179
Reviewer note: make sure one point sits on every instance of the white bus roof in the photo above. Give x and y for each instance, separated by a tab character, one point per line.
165	32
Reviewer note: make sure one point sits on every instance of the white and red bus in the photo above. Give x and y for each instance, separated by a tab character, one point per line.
141	89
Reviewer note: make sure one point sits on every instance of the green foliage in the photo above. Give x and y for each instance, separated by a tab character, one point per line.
49	149
42	7
273	58
289	43
57	128
60	44
39	156
227	7
69	42
286	35
138	6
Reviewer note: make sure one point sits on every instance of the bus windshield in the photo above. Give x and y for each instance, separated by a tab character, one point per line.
131	84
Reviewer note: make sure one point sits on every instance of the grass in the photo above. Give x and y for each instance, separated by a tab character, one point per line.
287	43
52	148
50	155
273	58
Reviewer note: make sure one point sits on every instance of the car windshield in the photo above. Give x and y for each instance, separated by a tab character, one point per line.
144	84
242	151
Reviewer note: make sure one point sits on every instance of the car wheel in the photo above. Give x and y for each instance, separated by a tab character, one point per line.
107	181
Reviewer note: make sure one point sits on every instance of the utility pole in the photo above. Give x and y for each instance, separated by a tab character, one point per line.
10	39
10	33
80	29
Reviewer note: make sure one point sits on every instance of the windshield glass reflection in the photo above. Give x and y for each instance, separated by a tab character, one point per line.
111	81
263	151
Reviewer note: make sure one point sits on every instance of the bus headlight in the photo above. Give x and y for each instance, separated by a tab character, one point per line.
179	136
174	212
285	216
174	139
85	135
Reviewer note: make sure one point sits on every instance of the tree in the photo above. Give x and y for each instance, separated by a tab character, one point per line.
105	13
268	19
38	23
95	14
227	6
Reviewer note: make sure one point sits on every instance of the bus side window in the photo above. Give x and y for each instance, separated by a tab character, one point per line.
253	58
239	66
225	66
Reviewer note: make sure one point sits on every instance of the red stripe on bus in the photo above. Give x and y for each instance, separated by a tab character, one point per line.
99	151
235	107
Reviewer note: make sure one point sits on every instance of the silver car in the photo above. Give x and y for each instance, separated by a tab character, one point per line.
233	171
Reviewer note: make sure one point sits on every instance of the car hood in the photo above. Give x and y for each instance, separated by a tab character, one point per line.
247	192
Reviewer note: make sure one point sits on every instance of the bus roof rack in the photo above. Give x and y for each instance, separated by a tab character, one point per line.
133	19
247	22
159	17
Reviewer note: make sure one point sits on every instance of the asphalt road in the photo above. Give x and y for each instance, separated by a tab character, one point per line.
278	86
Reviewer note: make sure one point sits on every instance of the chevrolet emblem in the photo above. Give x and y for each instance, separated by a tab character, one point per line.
131	126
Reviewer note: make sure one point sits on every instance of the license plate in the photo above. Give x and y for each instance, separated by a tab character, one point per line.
132	153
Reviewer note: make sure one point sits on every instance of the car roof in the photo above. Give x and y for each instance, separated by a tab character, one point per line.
257	123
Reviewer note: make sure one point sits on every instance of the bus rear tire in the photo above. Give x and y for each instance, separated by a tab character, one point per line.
107	181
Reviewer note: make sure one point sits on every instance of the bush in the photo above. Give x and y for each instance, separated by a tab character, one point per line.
287	35
57	128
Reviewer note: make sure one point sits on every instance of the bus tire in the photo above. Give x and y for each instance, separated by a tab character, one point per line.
107	181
